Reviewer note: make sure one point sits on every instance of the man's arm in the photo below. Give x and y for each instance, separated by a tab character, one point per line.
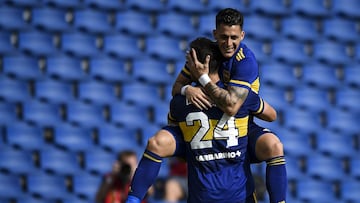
269	113
229	100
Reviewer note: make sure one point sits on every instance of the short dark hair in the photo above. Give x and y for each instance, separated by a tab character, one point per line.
229	16
203	47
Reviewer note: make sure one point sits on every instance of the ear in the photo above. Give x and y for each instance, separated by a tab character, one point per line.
242	35
215	34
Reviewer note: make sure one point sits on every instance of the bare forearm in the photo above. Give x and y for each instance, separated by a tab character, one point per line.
229	100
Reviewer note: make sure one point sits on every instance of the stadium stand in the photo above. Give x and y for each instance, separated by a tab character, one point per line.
55	55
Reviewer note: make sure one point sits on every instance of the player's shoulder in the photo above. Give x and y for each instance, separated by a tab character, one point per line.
244	54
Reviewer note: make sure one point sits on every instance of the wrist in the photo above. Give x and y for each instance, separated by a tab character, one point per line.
204	79
183	89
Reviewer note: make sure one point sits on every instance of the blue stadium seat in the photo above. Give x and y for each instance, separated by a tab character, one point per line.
118	138
50	19
129	48
25	136
296	144
151	71
186	6
349	190
140	94
24	3
6	46
77	199
347	8
98	160
334	144
300	28
357	50
129	116
343	121
272	7
310	98
8	113
37	43
13	18
311	8
79	44
84	114
355	167
289	51
73	138
161	111
59	161
301	120
346	30
164	48
22	67
294	169
312	190
348	98
13	90
259	49
180	26
109	69
278	74
128	22
93	21
54	91
149	6
10	186
16	161
148	132
331	52
65	68
86	185
206	24
312	71
97	92
44	185
28	198
41	113
104	4
323	167
215	5
260	27
351	73
275	96
63	3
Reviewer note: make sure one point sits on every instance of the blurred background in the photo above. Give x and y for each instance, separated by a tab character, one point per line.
81	80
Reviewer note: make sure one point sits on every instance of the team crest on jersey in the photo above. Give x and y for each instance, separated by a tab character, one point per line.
240	55
226	76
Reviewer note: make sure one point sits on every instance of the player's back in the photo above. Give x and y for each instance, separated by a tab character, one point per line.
216	145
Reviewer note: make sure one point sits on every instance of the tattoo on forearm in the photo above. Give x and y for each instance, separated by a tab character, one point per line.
225	98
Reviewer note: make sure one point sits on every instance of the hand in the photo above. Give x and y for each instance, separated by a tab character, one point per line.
196	67
197	97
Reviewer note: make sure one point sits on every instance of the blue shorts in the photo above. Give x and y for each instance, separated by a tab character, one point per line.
254	133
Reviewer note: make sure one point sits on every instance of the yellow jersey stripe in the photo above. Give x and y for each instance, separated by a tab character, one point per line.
240	83
152	158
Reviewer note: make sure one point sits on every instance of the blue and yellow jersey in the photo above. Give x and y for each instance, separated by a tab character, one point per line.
218	165
241	70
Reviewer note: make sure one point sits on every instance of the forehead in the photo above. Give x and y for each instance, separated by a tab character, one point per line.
228	30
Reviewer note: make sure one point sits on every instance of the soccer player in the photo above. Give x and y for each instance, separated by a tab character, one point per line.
169	142
240	75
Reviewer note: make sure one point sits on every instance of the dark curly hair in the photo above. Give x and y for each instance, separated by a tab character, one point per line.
229	16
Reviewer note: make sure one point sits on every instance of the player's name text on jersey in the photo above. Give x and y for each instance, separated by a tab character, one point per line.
219	155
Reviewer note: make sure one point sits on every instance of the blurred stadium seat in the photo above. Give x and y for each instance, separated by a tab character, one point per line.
347	98
326	168
13	18
300	28
73	138
98	161
335	144
313	99
51	19
260	27
8	113
346	30
349	190
85	114
54	91
22	67
6	46
272	7
86	185
63	3
312	190
215	6
343	121
65	68
42	113
278	74
79	44
37	43
289	51
97	92
151	71
311	8
350	75
93	21
129	48
10	186
347	8
13	90
328	79
109	69
128	22
104	4
16	161
181	25
164	48
149	6
186	6
302	120
296	144
141	94
331	52
129	115
24	136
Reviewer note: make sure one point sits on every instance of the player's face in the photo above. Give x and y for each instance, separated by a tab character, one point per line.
228	38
